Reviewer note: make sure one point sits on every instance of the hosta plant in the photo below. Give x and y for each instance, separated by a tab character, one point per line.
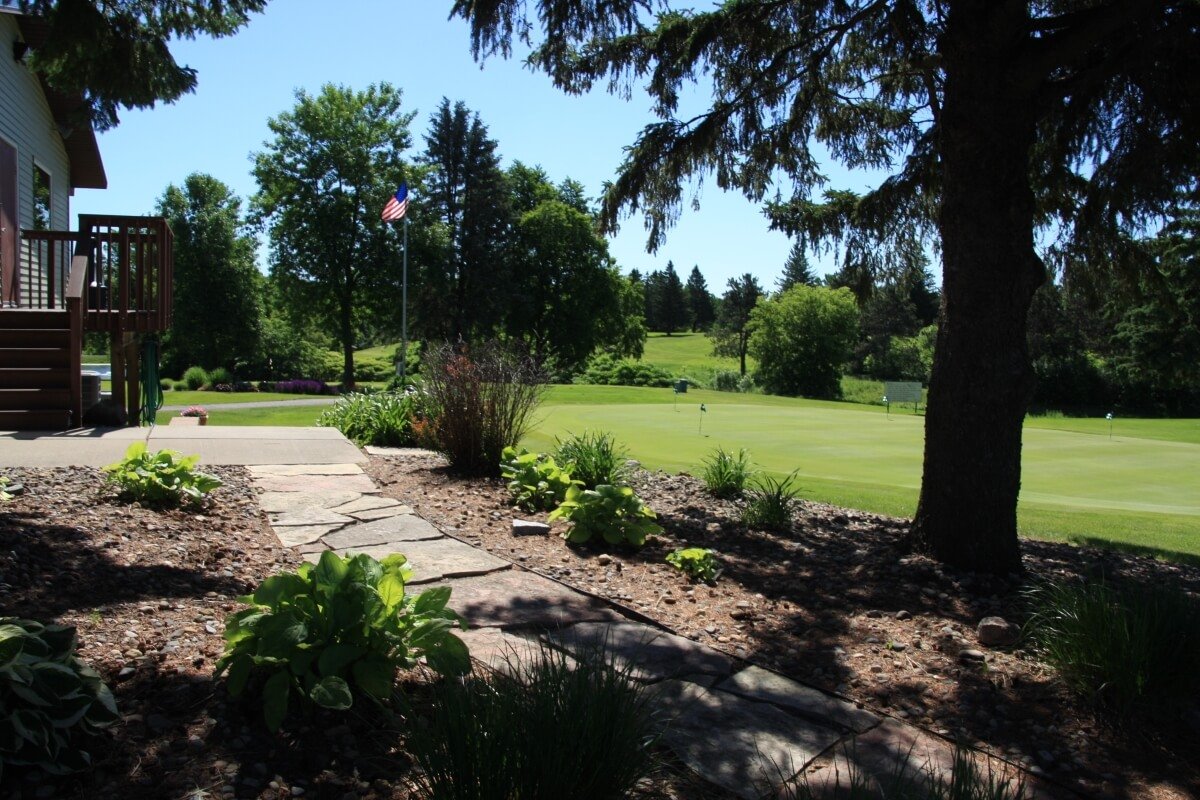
164	478
695	562
50	701
535	480
614	513
337	629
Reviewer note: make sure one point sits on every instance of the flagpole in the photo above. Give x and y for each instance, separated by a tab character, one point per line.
404	311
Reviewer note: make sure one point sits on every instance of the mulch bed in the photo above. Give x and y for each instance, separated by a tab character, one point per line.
839	603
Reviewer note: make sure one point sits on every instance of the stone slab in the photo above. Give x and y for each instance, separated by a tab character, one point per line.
316	483
745	747
287	502
404	528
368	502
437	559
381	513
653	653
398	451
305	469
756	683
517	598
309	516
297	535
501	651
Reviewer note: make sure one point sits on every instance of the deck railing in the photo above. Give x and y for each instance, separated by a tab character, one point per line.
129	276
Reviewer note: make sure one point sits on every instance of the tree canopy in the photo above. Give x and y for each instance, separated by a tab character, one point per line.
994	120
802	339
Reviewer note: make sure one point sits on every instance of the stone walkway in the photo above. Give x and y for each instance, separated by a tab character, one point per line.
739	726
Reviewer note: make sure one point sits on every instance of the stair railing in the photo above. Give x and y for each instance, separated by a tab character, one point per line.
75	303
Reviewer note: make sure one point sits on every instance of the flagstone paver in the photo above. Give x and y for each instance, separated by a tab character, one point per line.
286	502
305	469
403	528
502	651
381	513
434	559
743	746
309	516
297	535
361	484
653	653
756	683
512	598
371	503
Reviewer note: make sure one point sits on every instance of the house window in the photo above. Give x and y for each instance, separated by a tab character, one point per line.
41	199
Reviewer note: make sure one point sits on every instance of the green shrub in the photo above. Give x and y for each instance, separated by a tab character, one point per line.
695	562
614	513
220	377
160	479
337	629
549	726
166	384
373	368
595	458
195	377
770	502
725	380
481	402
1124	647
725	474
383	419
604	370
179	386
51	702
535	481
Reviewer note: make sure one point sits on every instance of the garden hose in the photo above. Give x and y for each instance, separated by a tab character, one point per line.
152	393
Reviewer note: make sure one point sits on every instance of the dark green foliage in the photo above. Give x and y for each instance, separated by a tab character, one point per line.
164	478
695	562
322	177
1129	648
116	56
218	290
51	702
796	271
336	630
481	401
595	458
195	378
726	380
604	370
535	481
671	309
731	334
614	513
220	376
382	420
699	301
725	474
546	727
769	503
802	339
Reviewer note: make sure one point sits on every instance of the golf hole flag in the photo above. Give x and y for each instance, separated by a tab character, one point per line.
397	206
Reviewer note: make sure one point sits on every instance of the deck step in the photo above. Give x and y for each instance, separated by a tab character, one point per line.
19	357
34	378
34	399
34	318
55	419
34	337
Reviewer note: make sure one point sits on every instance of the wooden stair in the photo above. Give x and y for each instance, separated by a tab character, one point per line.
35	370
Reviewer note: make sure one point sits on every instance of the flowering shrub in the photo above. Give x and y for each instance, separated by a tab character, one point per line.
194	411
303	387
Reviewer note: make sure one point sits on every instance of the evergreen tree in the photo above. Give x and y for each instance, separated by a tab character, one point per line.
796	271
998	117
699	301
731	334
653	290
466	292
673	308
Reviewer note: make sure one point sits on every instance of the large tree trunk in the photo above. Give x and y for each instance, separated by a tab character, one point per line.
981	381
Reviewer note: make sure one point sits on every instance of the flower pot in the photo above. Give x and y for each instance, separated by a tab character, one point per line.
203	420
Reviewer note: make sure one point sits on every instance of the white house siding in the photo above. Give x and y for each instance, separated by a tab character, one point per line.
26	122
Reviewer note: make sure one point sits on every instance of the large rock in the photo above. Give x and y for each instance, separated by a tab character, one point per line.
997	632
403	528
745	747
517	598
309	516
315	483
436	559
652	654
756	683
370	502
305	469
528	527
298	535
290	502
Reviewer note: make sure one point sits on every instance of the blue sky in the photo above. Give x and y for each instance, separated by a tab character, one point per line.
296	44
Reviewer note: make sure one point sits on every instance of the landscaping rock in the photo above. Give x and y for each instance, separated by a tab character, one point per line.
435	559
403	528
309	516
370	503
756	683
997	632
299	535
526	527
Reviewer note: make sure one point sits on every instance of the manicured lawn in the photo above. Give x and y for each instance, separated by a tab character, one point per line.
219	398
298	416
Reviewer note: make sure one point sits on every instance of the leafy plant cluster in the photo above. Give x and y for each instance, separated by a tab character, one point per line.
725	474
595	458
726	380
547	726
535	480
614	513
381	419
337	629
301	386
164	478
770	502
604	370
695	562
195	378
50	701
1125	647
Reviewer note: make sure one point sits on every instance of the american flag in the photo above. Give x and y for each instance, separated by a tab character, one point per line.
397	206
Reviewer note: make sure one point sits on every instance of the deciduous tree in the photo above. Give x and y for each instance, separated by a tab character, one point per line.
731	334
801	339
